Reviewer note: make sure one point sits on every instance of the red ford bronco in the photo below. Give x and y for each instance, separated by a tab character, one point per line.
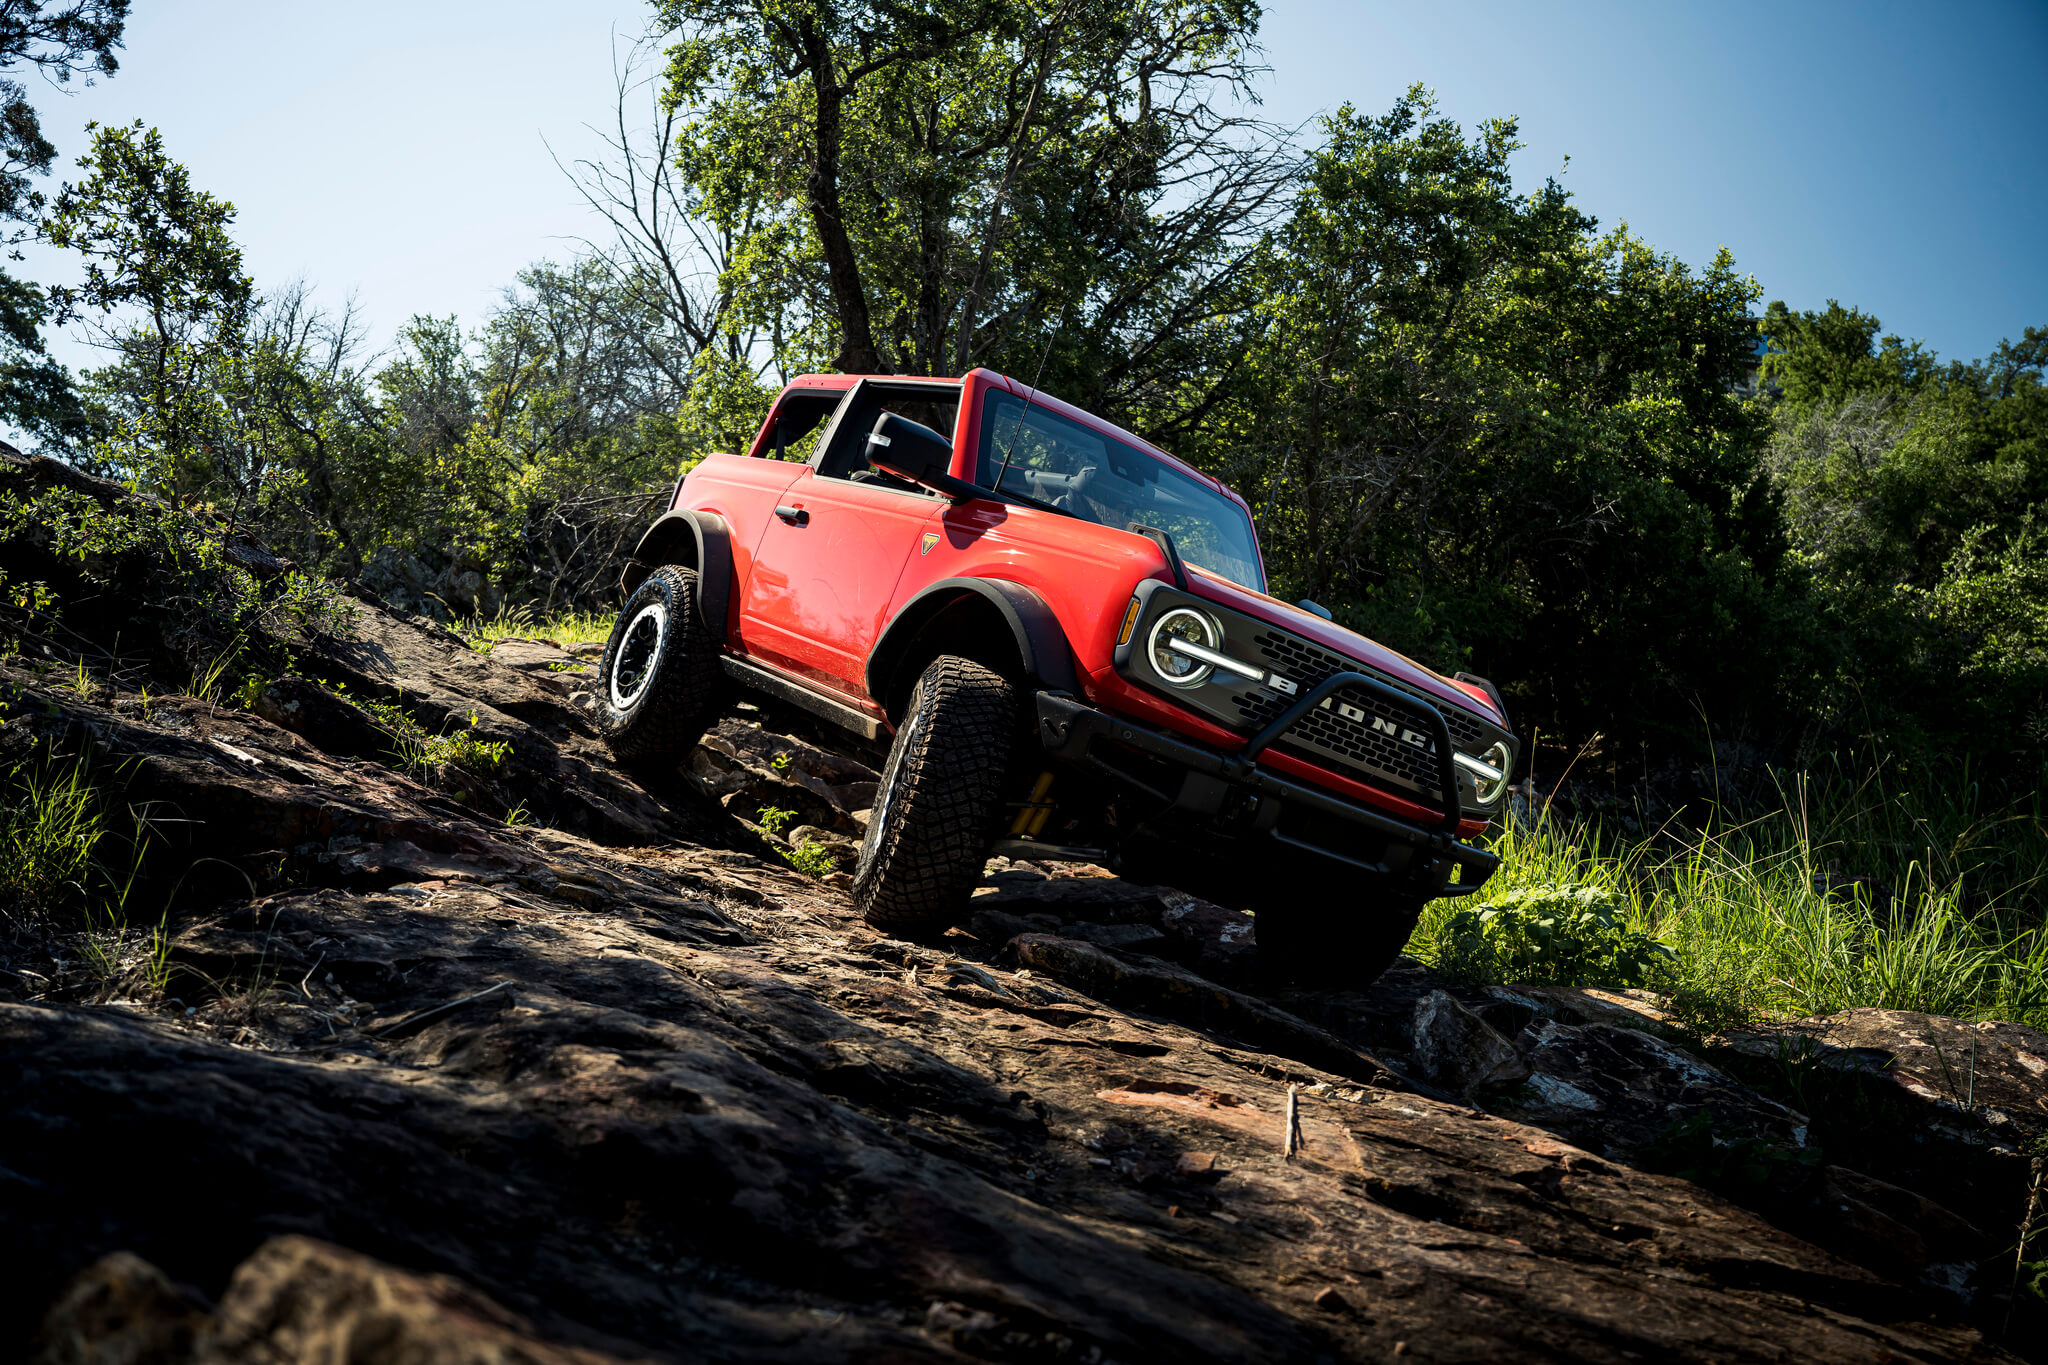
1062	637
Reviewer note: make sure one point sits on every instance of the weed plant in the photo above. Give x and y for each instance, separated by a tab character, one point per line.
1843	894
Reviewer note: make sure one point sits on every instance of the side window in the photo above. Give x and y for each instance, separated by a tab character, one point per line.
848	458
799	420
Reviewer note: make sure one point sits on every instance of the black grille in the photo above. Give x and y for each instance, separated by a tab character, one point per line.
1327	732
1308	665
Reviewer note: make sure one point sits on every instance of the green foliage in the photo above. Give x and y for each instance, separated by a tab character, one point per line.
1492	437
522	455
1910	490
1825	358
435	757
927	187
69	869
59	40
522	622
1853	891
201	588
37	395
812	859
1552	934
531	450
149	239
1992	609
51	827
774	819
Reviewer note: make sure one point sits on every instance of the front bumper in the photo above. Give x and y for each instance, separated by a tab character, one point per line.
1199	785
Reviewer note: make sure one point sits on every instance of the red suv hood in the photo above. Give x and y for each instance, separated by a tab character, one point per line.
1350	643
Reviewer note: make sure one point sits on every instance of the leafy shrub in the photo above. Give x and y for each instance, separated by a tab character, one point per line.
201	587
812	859
1552	933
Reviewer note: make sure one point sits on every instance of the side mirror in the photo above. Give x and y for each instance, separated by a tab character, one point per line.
910	450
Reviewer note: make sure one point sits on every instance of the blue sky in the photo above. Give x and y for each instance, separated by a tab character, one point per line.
1888	155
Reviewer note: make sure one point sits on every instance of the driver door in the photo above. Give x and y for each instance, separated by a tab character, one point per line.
826	567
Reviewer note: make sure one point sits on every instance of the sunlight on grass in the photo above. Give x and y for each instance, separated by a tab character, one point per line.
1858	896
523	623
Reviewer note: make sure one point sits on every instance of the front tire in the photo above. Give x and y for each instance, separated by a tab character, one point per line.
658	684
941	791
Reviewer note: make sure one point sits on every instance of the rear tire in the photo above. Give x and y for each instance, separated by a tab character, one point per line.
1331	937
941	792
659	681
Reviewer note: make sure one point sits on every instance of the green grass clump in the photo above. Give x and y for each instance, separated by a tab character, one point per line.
63	875
50	831
1843	894
524	623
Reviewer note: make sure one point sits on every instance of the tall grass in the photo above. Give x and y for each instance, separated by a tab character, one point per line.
50	829
67	873
1840	893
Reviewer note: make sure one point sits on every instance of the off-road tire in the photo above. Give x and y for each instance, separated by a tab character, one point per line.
941	792
1328	936
659	681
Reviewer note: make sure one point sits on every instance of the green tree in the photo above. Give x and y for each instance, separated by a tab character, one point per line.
165	288
1827	357
1910	487
37	394
529	450
56	42
1045	185
1493	436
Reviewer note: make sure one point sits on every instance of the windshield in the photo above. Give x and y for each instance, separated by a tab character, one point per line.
1079	470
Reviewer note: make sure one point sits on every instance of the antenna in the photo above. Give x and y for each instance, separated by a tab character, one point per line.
1018	430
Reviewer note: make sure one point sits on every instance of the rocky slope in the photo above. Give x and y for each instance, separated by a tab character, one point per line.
419	1084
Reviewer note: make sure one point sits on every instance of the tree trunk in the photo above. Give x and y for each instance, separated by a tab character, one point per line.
857	353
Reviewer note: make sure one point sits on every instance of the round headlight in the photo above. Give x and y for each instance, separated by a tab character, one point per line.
1173	667
1489	792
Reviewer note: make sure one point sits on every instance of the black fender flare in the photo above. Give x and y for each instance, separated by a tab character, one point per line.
1042	645
695	540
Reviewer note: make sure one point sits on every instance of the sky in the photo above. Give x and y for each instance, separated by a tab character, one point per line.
1887	155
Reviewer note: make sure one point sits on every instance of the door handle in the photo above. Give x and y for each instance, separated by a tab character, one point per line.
795	516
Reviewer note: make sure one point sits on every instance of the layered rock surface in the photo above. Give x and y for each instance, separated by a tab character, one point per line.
621	1085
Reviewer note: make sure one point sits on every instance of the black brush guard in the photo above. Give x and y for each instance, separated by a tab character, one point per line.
1069	729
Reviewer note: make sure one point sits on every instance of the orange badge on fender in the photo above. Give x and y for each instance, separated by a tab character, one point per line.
931	538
